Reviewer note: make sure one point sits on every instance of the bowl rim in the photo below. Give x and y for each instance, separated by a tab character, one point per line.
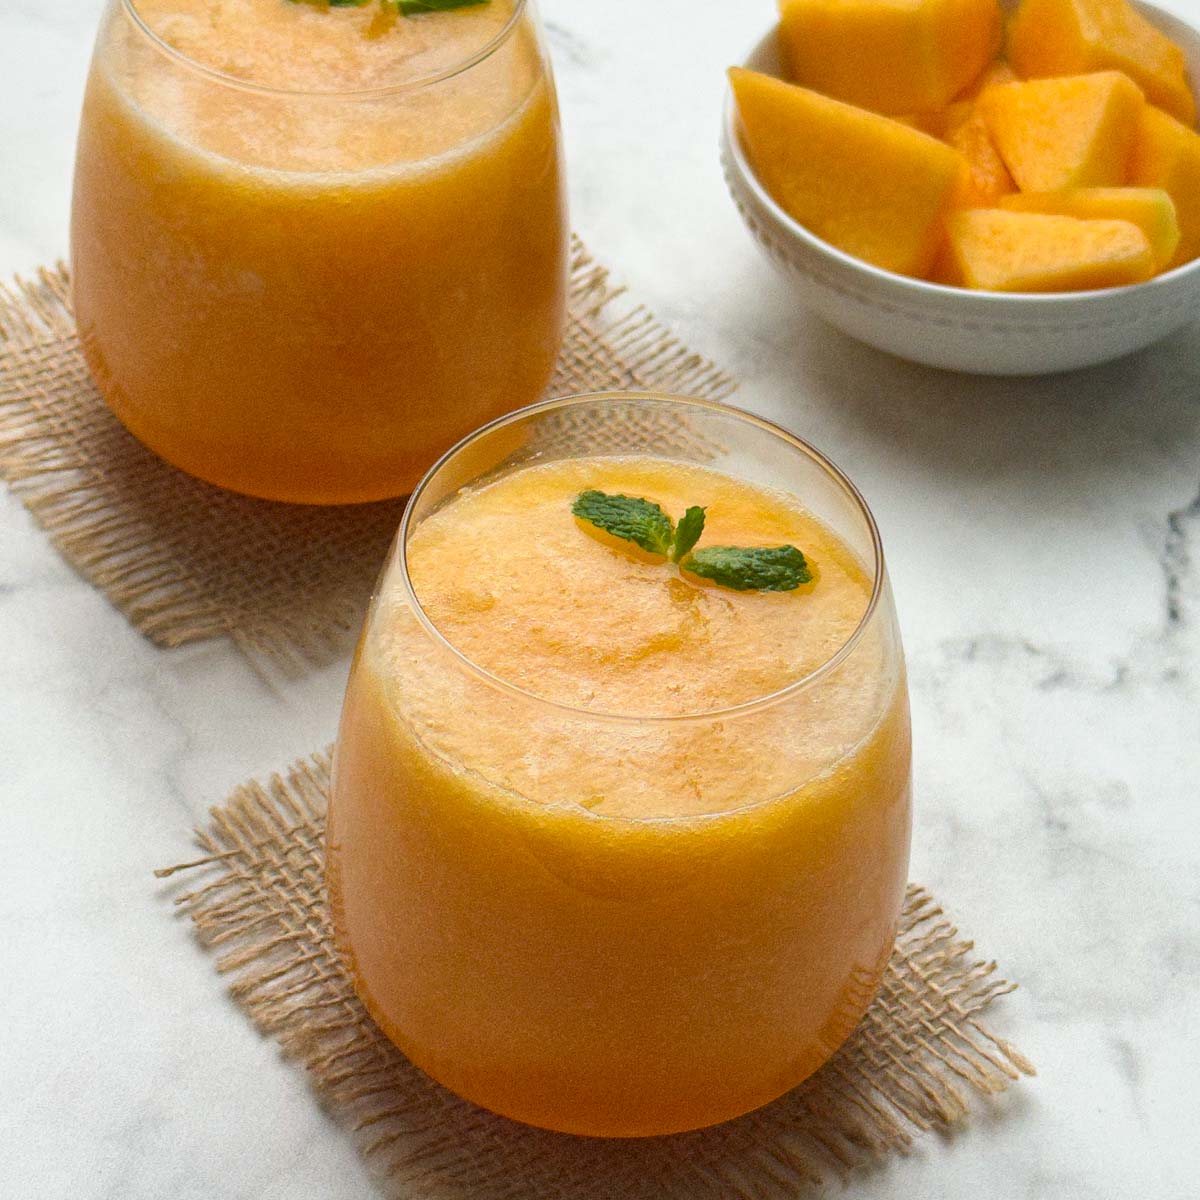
736	152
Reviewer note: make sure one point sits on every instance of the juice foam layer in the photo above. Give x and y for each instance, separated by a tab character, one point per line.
300	46
330	54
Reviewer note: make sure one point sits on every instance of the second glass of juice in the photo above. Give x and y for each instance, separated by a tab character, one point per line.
313	246
614	849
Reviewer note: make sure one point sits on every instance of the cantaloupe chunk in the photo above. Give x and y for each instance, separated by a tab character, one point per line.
995	72
1151	209
1027	252
933	121
1077	131
945	269
1000	71
1166	154
891	56
938	121
1071	37
867	184
967	132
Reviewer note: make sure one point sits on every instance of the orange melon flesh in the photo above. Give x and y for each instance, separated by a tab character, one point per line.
1027	252
868	185
1071	37
1151	209
1077	131
945	269
892	56
1166	154
937	122
995	72
933	121
967	132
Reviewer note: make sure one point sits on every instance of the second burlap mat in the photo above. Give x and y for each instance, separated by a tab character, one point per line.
186	561
258	897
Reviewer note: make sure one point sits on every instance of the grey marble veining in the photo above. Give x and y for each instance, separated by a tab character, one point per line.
1043	538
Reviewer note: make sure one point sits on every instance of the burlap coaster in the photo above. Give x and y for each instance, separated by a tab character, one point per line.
911	1065
185	561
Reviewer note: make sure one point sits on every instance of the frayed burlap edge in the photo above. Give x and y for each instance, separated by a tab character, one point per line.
32	311
912	1065
186	562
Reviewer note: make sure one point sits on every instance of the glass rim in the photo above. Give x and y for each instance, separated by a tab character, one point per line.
755	704
248	85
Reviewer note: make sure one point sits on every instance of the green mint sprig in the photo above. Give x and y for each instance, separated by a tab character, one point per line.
410	8
742	568
639	521
687	533
746	568
406	8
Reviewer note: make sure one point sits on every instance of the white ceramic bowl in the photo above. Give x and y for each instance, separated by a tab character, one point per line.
987	333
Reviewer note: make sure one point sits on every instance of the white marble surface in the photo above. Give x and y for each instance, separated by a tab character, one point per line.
1044	539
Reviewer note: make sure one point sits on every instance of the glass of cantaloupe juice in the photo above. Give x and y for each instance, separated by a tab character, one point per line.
314	246
613	850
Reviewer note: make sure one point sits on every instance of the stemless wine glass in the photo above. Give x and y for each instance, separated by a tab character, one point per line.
313	246
620	923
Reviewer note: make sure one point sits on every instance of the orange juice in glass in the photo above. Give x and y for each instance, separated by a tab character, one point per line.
615	847
313	246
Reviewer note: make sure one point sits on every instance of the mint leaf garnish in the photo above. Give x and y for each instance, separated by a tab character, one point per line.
742	568
639	521
410	8
750	568
691	526
406	8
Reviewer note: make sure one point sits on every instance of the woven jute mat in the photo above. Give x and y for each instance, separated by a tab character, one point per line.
185	561
913	1064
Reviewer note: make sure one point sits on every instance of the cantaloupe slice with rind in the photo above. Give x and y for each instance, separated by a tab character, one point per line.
1151	209
1166	154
